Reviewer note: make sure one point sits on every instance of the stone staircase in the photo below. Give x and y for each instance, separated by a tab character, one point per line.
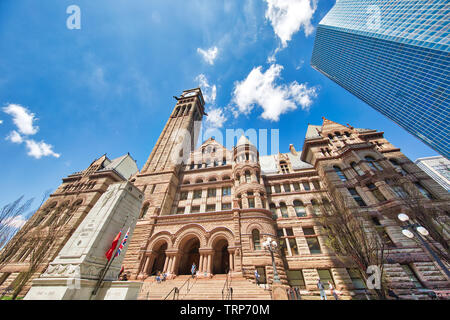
202	289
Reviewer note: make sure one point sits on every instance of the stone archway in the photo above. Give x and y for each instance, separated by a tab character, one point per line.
160	259
221	257
189	255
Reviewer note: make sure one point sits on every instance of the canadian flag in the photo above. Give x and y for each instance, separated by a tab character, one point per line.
110	252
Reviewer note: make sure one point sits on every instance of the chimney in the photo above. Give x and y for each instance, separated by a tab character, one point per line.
292	149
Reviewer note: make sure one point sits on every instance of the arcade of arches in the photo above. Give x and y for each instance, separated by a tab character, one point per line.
218	258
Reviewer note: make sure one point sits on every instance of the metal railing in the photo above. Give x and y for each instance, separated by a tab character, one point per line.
227	290
176	291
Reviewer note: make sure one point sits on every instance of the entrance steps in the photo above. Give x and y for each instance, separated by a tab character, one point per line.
202	289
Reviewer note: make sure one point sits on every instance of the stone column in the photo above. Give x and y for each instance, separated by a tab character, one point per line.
200	263
244	200
143	271
209	266
169	265
258	202
174	263
165	264
231	260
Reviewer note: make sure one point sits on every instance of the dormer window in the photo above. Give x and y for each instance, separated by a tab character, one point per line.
284	167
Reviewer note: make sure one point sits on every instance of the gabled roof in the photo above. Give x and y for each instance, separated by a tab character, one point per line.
328	126
210	142
313	132
269	164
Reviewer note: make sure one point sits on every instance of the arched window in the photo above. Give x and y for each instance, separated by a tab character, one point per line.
186	182
398	167
273	209
340	173
327	206
423	190
256	239
284	211
247	176
143	211
212	179
199	180
337	134
357	168
316	207
347	134
299	209
373	164
330	136
226	178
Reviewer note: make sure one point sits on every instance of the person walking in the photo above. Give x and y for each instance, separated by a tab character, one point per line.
323	296
193	269
257	276
333	291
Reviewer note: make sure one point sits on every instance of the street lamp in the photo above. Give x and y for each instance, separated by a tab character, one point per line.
412	230
271	245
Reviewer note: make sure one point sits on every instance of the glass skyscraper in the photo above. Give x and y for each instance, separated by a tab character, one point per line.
393	55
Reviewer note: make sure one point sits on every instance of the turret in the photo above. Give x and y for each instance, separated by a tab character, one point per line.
249	187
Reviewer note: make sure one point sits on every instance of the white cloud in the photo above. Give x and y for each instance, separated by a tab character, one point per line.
288	16
40	149
271	59
22	118
302	95
209	55
216	118
14	137
300	65
15	222
259	88
1	121
209	91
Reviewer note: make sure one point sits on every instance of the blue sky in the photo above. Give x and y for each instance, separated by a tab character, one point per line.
108	87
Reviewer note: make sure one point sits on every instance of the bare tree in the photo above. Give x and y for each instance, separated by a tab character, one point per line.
39	245
353	239
25	239
432	216
10	217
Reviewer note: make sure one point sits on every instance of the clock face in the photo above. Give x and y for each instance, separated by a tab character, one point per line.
190	94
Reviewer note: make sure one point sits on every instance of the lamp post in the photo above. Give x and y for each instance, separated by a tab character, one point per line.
414	229
271	245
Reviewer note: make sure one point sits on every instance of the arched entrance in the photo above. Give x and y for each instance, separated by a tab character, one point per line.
221	259
160	259
189	255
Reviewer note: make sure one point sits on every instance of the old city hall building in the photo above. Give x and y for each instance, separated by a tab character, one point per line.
216	207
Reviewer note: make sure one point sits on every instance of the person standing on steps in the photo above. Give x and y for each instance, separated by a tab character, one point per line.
257	276
193	269
323	296
333	291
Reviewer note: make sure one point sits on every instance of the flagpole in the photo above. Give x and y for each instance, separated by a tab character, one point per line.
106	268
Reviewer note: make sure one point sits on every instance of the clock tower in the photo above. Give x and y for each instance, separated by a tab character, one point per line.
185	119
159	178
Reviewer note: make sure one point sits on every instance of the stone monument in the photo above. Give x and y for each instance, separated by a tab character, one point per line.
75	272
